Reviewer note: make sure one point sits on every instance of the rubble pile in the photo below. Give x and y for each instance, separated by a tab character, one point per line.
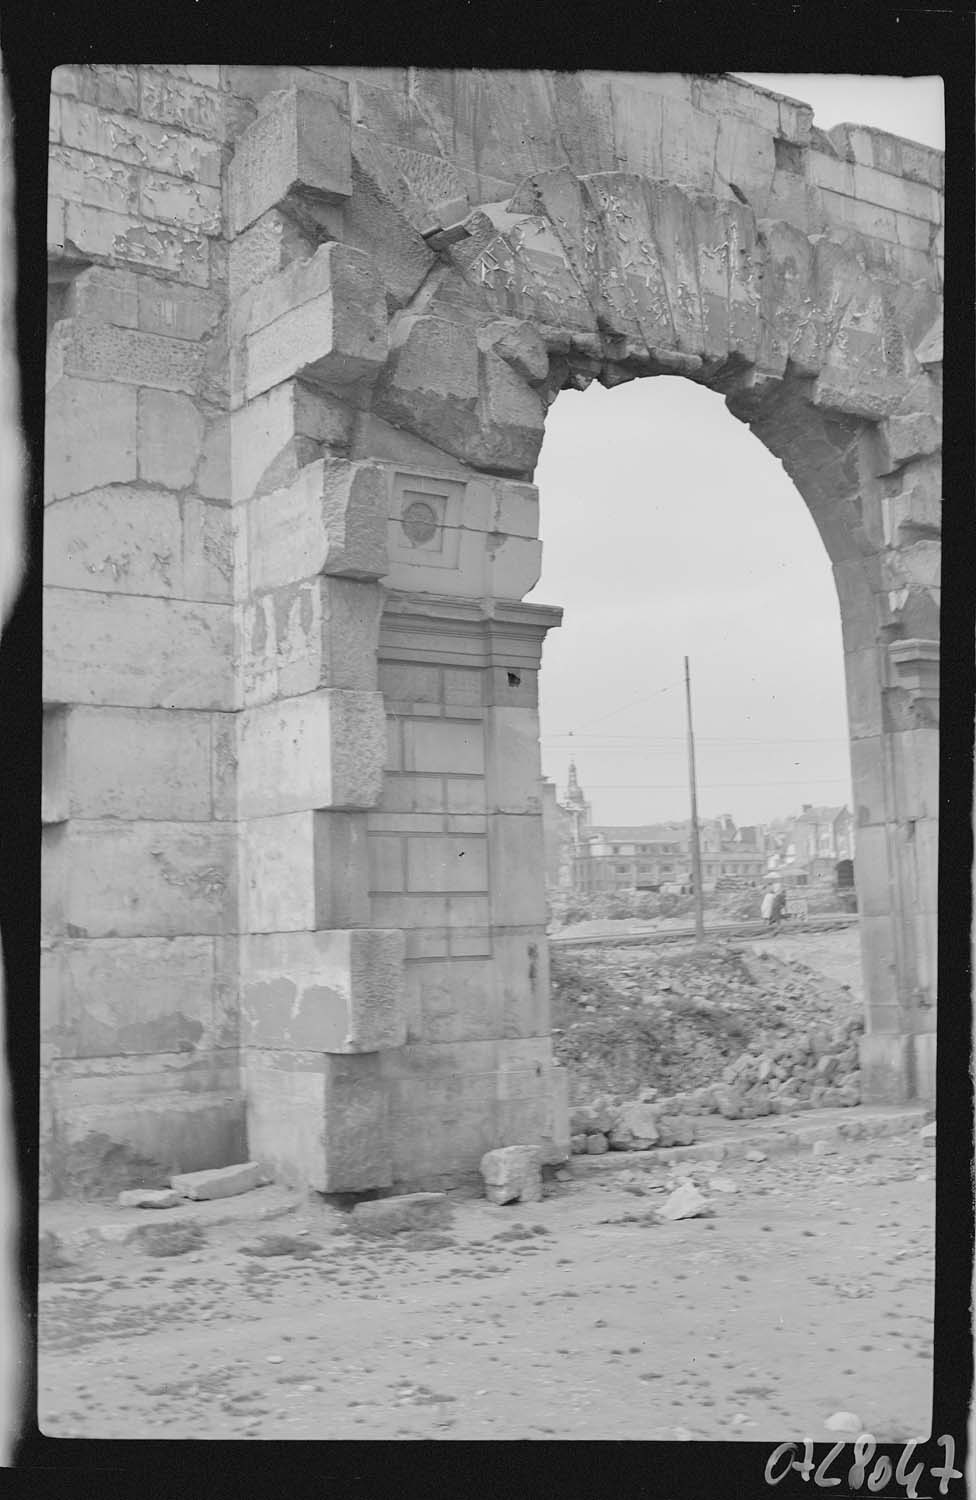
653	1038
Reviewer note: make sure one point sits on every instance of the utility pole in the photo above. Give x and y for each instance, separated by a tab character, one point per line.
696	870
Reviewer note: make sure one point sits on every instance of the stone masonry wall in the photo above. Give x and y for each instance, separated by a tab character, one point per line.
139	995
305	326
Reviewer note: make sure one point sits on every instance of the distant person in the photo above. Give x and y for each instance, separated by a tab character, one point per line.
766	909
779	906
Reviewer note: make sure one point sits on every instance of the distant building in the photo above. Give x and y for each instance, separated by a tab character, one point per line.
559	837
809	847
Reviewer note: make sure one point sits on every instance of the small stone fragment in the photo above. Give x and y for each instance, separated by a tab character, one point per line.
149	1198
753	1155
722	1185
844	1421
596	1145
823	1148
577	1144
686	1202
219	1182
927	1134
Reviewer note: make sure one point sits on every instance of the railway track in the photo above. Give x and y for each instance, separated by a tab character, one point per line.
657	935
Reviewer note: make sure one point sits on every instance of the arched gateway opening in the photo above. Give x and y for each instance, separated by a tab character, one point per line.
399	317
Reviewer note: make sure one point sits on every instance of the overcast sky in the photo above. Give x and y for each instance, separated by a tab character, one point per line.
668	529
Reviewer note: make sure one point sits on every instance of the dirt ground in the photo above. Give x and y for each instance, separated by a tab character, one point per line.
808	1291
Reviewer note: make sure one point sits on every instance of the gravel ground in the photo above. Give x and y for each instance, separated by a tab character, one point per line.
809	1291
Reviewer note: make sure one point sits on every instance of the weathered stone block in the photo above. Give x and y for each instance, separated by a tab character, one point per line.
130	239
274	436
116	540
444	745
174	310
219	1182
115	87
514	781
325	749
304	870
298	144
136	651
512	1174
320	633
182	102
905	438
101	762
319	1121
521	970
144	143
92	350
129	1120
170	434
446	864
331	520
142	879
89	437
326	991
887	1068
323	319
517	862
129	996
105	294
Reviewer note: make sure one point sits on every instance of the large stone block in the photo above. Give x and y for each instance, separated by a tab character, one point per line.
331	520
136	651
304	870
101	762
299	144
133	1120
172	309
521	969
320	1122
130	239
905	438
146	541
514	781
143	143
455	1002
274	436
887	1065
320	633
170	438
323	319
444	745
91	350
182	102
326	991
104	878
120	996
108	87
185	204
323	750
439	386
89	437
517	860
442	864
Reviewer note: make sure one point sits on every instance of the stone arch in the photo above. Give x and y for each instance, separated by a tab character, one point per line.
416	265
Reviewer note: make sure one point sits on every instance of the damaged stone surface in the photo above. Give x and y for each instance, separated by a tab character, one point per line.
512	1174
220	1182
